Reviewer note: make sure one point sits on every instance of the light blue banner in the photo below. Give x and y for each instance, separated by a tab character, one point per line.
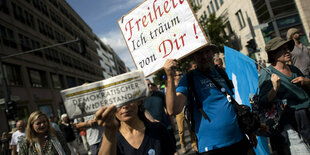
243	72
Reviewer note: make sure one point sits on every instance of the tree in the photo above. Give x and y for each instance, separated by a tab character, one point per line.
215	28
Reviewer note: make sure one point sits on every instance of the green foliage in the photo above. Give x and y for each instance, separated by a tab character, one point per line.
194	5
215	27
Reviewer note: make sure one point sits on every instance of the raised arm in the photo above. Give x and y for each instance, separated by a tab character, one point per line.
105	117
175	101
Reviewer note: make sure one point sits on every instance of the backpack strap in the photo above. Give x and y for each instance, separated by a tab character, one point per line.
225	77
192	94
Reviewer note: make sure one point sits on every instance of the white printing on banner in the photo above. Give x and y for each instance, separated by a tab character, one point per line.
160	29
119	90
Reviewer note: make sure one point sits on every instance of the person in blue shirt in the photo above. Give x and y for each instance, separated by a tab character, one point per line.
220	133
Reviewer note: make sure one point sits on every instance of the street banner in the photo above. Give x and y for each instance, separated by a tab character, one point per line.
158	30
243	72
119	90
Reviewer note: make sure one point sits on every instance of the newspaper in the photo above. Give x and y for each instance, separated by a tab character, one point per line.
119	90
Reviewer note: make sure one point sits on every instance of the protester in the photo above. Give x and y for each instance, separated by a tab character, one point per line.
18	137
300	56
93	133
286	83
54	120
128	132
156	106
219	63
41	138
180	117
5	140
219	132
67	131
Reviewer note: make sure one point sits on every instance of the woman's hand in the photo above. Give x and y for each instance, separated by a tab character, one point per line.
105	117
302	81
275	79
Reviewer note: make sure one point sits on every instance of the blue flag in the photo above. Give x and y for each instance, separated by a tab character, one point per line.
243	72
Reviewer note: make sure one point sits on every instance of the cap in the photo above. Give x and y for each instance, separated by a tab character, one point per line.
290	32
277	42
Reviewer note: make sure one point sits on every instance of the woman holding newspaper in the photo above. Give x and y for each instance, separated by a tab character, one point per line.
127	131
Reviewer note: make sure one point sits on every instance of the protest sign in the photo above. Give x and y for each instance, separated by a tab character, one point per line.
158	30
119	90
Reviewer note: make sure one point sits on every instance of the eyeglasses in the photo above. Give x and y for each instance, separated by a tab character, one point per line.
178	74
151	84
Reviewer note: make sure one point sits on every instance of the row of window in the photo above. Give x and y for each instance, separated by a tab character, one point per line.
7	37
38	78
26	44
22	15
28	19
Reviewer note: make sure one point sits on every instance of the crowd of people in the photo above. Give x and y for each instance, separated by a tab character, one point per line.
147	126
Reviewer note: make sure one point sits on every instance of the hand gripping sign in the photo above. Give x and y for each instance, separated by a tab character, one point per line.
119	90
161	29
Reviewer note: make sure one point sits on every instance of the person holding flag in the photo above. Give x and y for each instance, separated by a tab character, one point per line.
286	84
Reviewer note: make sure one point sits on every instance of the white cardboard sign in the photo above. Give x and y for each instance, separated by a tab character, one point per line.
158	30
119	90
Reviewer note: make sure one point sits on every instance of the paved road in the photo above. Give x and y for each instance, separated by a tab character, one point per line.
187	142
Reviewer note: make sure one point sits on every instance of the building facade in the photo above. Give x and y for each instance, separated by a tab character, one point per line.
260	20
35	79
107	62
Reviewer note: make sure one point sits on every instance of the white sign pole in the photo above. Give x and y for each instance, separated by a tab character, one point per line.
158	30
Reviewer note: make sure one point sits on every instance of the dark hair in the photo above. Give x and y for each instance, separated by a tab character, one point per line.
141	113
271	56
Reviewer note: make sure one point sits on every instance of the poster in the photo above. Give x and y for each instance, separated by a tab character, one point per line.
119	90
158	30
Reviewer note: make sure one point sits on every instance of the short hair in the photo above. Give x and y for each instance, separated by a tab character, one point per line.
63	116
31	136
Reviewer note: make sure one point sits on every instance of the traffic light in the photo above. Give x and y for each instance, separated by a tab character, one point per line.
251	46
11	110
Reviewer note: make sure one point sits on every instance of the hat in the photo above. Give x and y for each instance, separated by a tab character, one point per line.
63	116
290	32
277	42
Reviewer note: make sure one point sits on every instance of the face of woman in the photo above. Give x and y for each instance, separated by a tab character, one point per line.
283	54
40	125
127	112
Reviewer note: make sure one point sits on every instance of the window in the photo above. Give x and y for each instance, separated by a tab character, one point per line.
47	109
13	74
37	78
71	82
208	7
212	6
240	19
57	83
25	42
7	37
216	4
222	2
81	81
3	6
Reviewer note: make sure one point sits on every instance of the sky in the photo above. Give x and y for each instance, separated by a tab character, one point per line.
102	17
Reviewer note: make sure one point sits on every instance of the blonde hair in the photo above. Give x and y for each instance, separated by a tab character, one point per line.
31	135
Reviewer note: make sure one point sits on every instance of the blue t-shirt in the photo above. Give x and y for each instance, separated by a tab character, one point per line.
155	105
222	129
